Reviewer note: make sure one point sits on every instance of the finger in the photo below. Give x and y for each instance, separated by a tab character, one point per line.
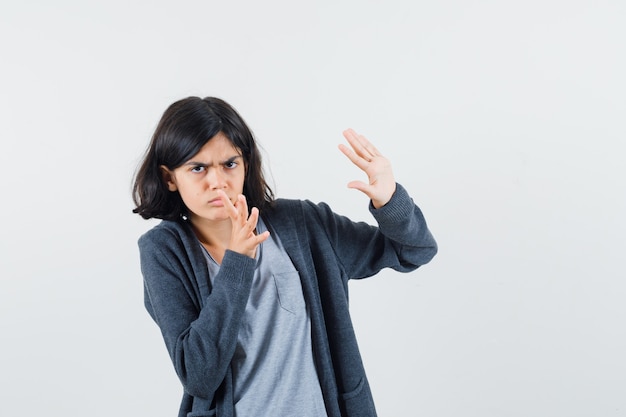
356	145
361	186
361	145
262	237
230	207
356	159
364	142
252	220
242	208
368	146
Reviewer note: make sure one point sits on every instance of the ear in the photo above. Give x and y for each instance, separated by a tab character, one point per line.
168	178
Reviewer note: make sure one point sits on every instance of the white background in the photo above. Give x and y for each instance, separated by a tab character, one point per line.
504	119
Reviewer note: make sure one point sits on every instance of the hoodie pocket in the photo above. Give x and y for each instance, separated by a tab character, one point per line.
289	290
358	402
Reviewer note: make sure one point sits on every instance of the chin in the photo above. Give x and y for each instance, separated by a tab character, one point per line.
213	215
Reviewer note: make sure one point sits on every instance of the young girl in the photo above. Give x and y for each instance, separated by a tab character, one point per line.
251	292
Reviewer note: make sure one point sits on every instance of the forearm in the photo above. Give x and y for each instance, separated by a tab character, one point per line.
401	221
201	338
402	241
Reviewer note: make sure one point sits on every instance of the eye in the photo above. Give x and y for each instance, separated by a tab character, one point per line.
231	164
198	169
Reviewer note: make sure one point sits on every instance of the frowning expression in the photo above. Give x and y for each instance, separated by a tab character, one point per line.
218	165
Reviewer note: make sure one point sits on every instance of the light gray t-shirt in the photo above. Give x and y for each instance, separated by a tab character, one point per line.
273	370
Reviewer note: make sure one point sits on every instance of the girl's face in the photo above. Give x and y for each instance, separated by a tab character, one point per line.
217	166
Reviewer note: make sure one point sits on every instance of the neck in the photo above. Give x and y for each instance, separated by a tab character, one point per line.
214	236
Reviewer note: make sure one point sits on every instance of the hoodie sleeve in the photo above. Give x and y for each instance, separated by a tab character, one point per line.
401	241
200	335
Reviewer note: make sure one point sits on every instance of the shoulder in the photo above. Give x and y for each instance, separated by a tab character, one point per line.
283	208
301	218
166	233
281	205
171	243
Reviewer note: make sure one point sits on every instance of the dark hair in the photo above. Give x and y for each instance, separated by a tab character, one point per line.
185	127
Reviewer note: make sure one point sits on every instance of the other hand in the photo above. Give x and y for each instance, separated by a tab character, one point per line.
381	183
243	238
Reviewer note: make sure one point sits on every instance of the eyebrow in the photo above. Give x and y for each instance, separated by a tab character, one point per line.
207	165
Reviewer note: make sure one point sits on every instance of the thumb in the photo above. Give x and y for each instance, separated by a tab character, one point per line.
359	185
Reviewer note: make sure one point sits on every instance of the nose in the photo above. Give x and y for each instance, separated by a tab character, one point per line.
215	178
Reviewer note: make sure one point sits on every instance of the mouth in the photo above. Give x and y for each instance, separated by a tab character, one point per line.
216	202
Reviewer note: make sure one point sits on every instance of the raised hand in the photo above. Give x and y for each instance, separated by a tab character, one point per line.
243	238
381	182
